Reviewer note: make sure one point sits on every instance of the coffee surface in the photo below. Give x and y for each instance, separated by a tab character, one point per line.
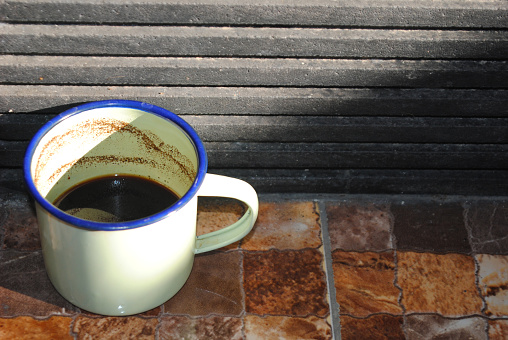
116	198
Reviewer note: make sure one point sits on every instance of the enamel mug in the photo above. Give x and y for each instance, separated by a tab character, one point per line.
124	268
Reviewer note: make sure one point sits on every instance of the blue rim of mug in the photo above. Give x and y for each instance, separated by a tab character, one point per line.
182	124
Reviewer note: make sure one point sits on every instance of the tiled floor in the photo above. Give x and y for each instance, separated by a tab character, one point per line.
314	267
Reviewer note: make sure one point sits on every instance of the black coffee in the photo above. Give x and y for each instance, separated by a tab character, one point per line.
116	198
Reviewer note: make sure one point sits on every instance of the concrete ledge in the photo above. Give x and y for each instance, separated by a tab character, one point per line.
356	155
300	129
251	42
262	101
41	70
329	155
395	181
350	129
351	13
350	96
353	181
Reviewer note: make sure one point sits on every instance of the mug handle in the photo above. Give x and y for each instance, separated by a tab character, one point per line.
222	186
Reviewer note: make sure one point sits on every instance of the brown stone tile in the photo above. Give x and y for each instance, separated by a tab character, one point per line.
488	223
493	282
284	327
18	222
25	288
374	327
285	225
210	328
152	313
442	284
285	283
114	328
422	327
498	329
430	226
215	213
359	227
24	327
214	287
364	283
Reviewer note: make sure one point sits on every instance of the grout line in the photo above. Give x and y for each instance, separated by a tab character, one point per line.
327	249
393	240
243	313
159	322
466	206
73	334
401	293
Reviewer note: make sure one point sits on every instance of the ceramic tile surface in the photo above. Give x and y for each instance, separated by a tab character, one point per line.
430	226
498	329
365	283
358	227
328	267
493	282
25	288
284	327
488	222
19	224
438	283
212	327
55	327
114	328
377	326
420	327
214	286
287	283
293	225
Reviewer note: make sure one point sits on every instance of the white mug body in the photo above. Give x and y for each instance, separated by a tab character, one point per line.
121	272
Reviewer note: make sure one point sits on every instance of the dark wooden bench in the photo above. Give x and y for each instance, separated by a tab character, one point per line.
354	96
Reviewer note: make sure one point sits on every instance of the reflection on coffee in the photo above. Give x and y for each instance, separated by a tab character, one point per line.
116	198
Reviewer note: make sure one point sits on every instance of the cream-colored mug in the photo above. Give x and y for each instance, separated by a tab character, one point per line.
121	268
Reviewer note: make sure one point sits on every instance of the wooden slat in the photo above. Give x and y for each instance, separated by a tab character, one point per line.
330	155
354	13
252	72
266	101
251	42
